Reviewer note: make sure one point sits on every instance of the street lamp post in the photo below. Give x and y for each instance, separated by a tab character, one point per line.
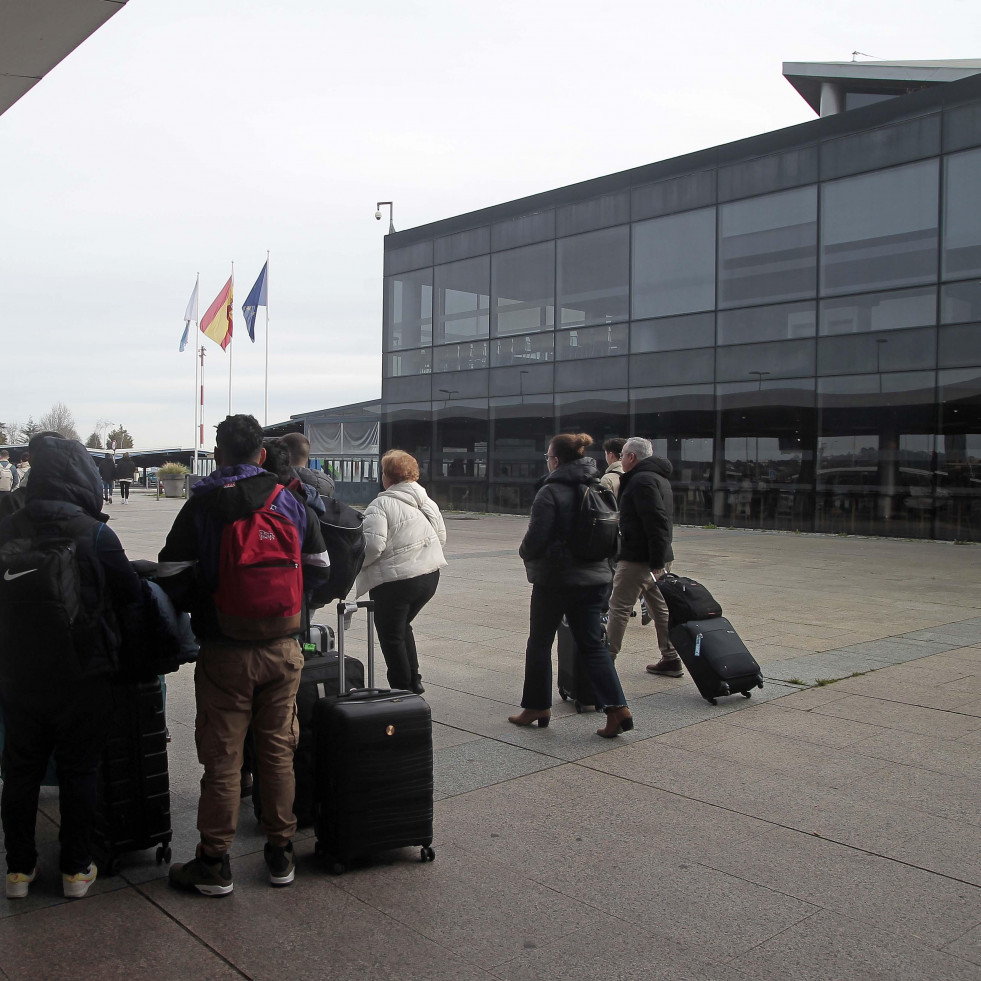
759	388
521	384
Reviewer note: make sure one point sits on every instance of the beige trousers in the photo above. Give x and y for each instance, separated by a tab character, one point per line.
635	579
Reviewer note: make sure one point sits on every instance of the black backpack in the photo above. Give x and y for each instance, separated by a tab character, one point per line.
48	634
596	530
687	600
341	527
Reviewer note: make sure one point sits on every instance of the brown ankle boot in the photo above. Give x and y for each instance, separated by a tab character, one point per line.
528	717
617	720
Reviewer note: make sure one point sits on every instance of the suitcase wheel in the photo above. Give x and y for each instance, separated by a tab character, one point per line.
578	705
164	854
427	854
337	868
747	694
564	694
711	701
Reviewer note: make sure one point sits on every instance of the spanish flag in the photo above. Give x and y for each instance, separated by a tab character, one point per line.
217	322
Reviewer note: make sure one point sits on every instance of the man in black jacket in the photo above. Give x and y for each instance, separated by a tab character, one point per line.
646	515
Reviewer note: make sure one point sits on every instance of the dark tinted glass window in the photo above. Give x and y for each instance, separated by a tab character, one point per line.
672	368
783	359
902	350
879	311
613	209
881	146
962	215
529	349
460	357
408	257
674	264
452	385
418	362
960	302
783	322
409	310
575	376
770	173
593	277
675	194
463	245
410	388
673	333
536	379
960	345
768	248
463	299
591	342
523	289
524	230
880	229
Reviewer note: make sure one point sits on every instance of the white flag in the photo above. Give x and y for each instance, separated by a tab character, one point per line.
190	314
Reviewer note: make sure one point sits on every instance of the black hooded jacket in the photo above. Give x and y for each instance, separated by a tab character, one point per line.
646	513
66	486
545	548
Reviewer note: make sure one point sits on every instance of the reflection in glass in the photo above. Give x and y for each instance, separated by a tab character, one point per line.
522	428
409	427
901	350
523	287
879	229
591	342
962	215
460	357
463	300
779	359
417	362
409	310
673	333
593	277
602	414
531	348
958	468
879	311
673	264
768	248
783	322
960	302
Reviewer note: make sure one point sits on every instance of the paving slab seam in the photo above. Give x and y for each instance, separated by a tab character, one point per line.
774	824
204	943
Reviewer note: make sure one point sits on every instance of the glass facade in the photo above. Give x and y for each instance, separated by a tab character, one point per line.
795	323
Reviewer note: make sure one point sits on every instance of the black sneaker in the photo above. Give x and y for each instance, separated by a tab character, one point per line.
209	876
279	861
667	668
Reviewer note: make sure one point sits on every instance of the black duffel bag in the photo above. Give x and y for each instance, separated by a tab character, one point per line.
687	600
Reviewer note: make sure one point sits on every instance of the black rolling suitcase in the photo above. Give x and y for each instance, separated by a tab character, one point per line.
134	780
573	682
320	677
716	658
374	750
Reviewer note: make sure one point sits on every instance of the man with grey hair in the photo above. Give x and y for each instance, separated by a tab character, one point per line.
646	514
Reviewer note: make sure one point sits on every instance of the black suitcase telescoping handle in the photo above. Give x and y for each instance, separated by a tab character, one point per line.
343	610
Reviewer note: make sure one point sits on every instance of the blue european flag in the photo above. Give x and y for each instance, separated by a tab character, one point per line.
255	299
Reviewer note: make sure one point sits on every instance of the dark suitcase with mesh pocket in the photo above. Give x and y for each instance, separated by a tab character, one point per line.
374	748
716	658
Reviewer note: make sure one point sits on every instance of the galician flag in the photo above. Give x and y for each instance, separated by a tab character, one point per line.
255	299
217	322
190	314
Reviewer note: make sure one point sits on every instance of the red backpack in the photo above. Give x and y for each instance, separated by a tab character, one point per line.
260	581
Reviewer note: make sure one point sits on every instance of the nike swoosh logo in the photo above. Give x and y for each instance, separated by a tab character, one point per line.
8	575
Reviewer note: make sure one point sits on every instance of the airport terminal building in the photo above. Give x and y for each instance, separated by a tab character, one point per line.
794	319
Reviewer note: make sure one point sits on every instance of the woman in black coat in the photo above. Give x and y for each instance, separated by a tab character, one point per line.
564	585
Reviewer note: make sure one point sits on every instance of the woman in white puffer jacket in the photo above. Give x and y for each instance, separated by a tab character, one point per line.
405	535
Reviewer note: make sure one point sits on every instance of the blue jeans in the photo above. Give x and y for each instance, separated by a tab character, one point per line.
582	606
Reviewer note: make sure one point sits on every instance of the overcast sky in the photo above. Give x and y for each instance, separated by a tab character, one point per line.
185	134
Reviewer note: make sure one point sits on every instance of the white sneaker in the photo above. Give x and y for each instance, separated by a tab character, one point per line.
77	885
18	883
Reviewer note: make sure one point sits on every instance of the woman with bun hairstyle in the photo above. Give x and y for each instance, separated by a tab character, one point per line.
404	535
563	585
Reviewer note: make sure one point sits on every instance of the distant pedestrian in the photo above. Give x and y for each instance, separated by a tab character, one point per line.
404	535
564	585
299	450
9	477
107	470
23	469
125	471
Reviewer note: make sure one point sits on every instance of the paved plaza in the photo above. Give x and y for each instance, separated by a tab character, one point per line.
827	828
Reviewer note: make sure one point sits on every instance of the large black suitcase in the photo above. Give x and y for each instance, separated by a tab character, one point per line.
687	600
716	658
573	682
320	677
134	779
374	751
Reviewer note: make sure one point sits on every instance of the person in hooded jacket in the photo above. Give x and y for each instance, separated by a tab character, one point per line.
566	586
65	714
404	538
646	527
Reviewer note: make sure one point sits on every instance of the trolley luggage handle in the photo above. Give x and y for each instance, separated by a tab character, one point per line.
344	609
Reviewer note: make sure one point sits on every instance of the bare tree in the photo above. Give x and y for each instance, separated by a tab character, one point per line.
59	419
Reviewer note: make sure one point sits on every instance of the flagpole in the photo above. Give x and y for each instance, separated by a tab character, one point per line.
201	431
265	416
230	345
194	441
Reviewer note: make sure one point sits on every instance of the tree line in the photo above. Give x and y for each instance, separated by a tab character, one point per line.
59	419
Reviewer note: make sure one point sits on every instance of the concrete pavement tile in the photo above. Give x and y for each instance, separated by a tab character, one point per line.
462	768
830	945
944	698
311	930
484	913
805	699
949	797
446	736
119	935
968	946
815	667
471	679
961	633
910	718
893	896
821	730
895	650
954	756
